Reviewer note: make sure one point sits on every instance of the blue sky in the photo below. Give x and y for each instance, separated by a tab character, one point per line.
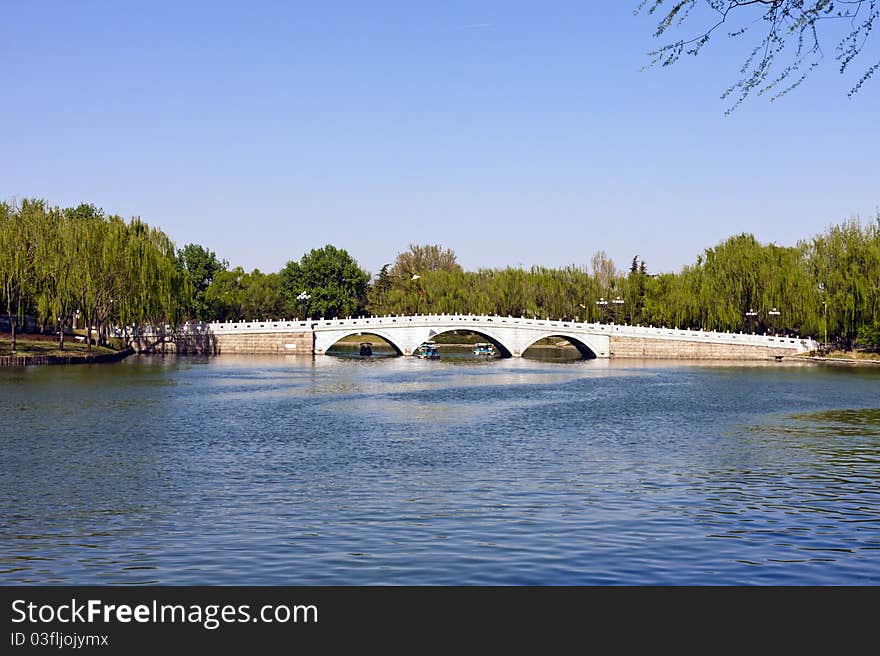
513	133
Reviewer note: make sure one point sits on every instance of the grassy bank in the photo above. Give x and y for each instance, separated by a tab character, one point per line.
28	347
857	356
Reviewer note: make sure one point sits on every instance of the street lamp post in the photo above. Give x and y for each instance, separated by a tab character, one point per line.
602	303
825	319
303	301
617	303
751	314
773	313
415	278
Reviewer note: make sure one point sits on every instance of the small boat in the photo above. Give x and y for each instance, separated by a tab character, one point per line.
366	348
483	348
428	351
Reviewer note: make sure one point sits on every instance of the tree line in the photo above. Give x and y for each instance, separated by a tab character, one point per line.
826	287
62	265
56	264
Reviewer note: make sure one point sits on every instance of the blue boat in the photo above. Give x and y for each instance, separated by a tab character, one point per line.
428	351
484	349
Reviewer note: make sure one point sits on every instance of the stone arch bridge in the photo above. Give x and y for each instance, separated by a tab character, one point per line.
510	335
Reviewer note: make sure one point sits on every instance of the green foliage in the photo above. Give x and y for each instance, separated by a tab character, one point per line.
715	293
419	260
202	266
846	261
234	295
538	292
19	239
738	276
869	335
262	296
224	297
57	264
635	291
61	263
333	279
402	285
377	293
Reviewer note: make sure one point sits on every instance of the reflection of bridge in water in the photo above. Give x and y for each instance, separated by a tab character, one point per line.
510	335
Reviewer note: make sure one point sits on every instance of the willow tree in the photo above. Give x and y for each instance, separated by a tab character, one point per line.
845	265
100	268
736	285
59	258
401	285
126	273
540	291
158	289
110	261
18	246
786	38
86	233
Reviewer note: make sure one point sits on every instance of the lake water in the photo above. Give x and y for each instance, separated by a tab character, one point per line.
294	471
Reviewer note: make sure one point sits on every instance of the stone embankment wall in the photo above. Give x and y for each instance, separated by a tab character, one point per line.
195	345
299	343
638	347
291	343
182	344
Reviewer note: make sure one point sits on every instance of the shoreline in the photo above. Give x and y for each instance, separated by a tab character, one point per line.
848	361
45	360
99	358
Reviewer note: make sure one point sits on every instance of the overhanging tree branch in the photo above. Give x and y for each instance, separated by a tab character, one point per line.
765	69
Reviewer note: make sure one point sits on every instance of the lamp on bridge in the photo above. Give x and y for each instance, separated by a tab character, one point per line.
750	317
304	301
773	313
617	303
415	278
602	303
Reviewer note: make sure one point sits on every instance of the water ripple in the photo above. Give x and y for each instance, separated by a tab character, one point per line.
396	471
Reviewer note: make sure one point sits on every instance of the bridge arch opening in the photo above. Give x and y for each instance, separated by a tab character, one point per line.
350	345
559	348
461	341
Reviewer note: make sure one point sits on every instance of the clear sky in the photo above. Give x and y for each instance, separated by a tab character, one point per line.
514	133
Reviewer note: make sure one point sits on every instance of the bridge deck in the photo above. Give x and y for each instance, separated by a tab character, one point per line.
512	336
468	322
